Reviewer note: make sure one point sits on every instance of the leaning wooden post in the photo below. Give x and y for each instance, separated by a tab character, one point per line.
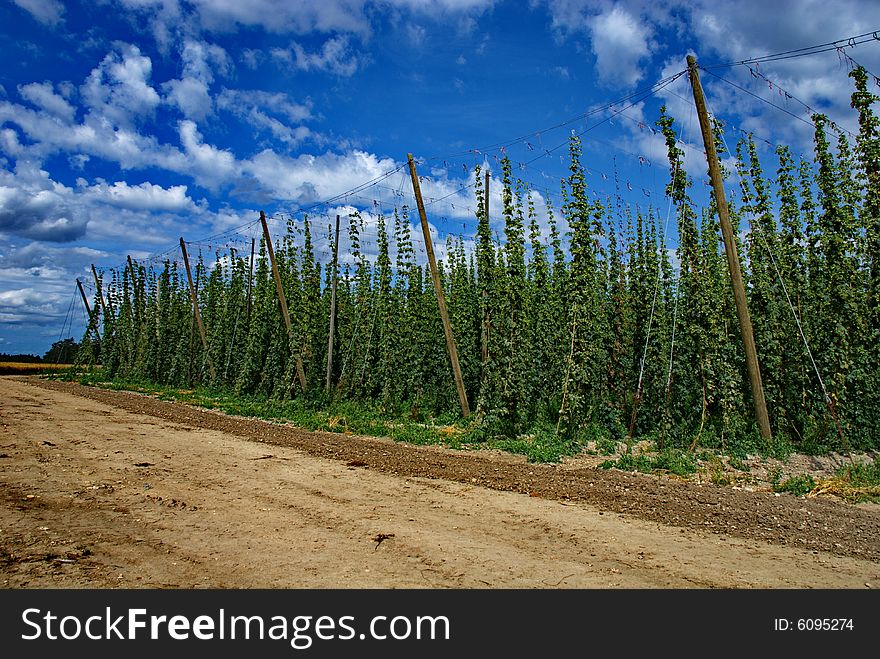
135	314
195	303
282	300
88	310
739	292
438	289
332	309
100	296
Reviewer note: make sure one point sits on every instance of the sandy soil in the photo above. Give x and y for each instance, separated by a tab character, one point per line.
108	489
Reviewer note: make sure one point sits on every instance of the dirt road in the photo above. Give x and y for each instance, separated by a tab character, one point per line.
109	489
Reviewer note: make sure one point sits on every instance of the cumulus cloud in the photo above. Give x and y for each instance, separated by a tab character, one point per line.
209	165
95	136
33	206
145	196
308	178
43	96
119	89
37	255
191	92
42	215
620	42
9	142
32	305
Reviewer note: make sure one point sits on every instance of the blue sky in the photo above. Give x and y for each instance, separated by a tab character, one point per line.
125	124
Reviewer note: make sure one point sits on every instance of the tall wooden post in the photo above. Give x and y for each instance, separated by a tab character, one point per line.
485	334
88	309
332	308
282	300
133	303
196	313
100	296
250	282
739	292
438	289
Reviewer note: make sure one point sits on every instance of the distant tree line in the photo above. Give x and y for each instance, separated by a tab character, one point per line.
64	351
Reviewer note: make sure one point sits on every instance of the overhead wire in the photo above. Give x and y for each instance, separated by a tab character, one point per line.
846	42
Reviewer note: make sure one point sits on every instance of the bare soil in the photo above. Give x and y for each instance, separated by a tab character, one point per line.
103	489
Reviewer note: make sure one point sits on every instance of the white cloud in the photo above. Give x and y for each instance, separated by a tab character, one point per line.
191	96
191	92
48	12
620	43
41	215
96	136
37	255
44	97
33	206
308	178
119	90
9	142
335	56
209	165
252	58
256	107
284	16
28	303
325	16
144	197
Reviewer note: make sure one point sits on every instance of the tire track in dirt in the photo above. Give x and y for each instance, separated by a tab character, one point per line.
811	523
239	503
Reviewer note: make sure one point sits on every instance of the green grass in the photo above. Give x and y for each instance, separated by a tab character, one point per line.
347	417
671	460
542	446
858	482
797	485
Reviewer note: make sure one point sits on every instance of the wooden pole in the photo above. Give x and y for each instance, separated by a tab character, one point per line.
195	302
133	303
438	289
100	296
282	300
739	292
250	282
84	298
88	309
332	309
483	275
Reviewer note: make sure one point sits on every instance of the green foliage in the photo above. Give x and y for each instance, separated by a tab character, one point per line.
861	474
674	461
606	446
62	352
543	445
797	485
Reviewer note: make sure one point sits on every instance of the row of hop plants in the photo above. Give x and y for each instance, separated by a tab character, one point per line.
585	331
